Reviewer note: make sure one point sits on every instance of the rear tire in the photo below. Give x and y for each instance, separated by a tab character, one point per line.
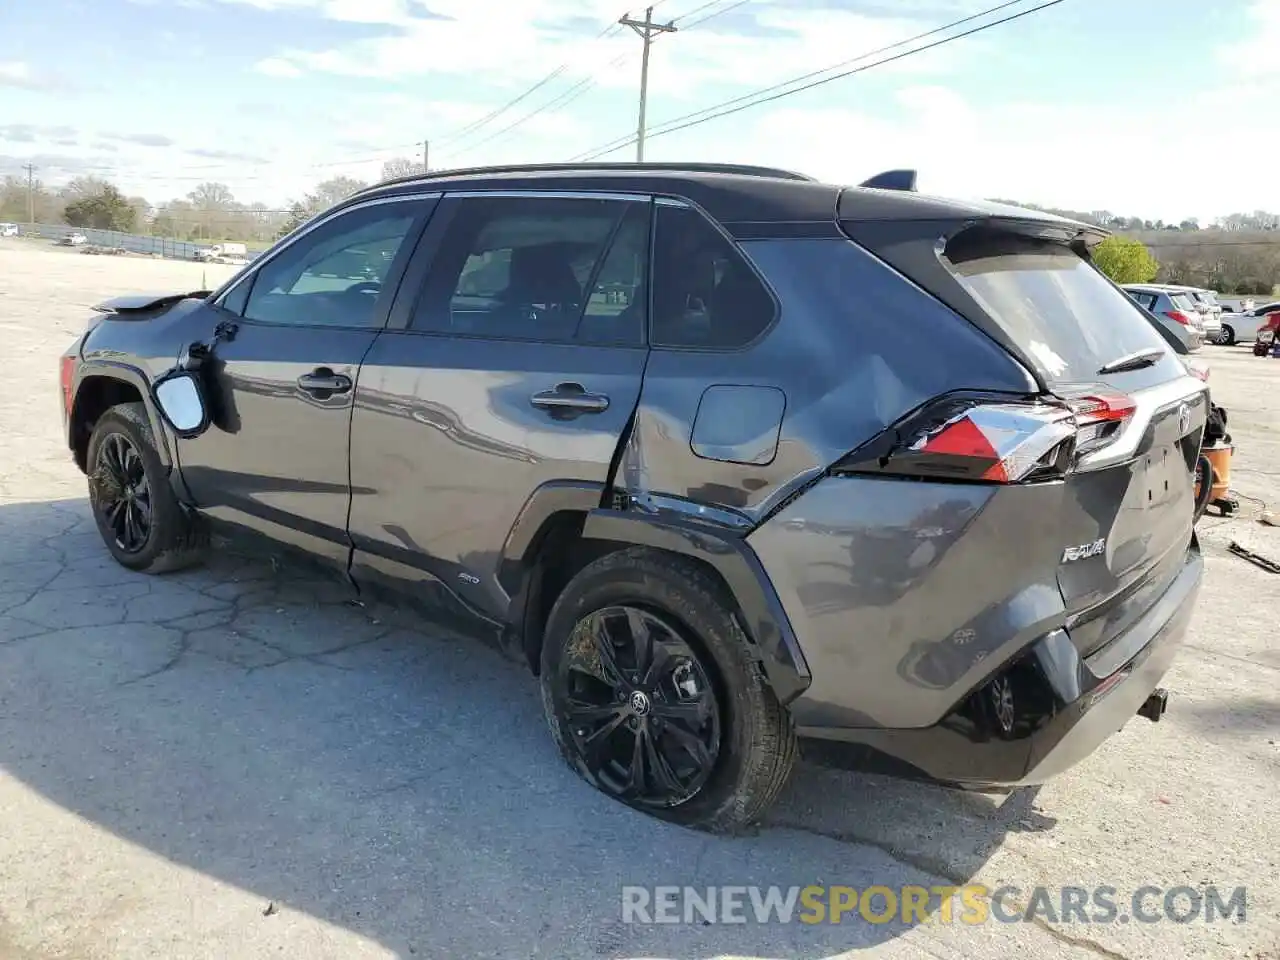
714	693
140	520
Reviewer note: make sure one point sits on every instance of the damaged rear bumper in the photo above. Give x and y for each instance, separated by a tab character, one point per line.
1039	715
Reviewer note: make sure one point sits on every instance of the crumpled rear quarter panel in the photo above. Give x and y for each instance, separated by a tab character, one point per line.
904	596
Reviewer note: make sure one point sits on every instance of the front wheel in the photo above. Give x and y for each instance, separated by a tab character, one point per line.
653	697
1228	336
140	520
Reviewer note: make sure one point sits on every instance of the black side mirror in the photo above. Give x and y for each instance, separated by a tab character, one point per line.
179	395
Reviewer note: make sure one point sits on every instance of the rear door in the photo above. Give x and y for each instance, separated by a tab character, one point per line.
1127	516
516	364
277	458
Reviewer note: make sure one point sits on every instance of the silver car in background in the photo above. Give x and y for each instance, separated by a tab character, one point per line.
1174	312
1206	304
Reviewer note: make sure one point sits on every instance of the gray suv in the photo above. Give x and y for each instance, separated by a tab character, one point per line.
735	461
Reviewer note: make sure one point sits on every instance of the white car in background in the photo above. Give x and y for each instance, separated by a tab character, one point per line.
8	229
76	239
1243	327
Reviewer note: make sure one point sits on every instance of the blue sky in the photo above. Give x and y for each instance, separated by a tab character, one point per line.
1156	108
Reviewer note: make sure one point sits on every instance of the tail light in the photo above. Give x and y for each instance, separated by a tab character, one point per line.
1100	415
67	372
1178	317
995	441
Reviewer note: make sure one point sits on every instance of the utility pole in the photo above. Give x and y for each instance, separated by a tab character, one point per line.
426	147
646	30
31	193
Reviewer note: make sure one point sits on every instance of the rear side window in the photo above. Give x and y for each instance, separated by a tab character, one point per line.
1147	300
1065	315
704	292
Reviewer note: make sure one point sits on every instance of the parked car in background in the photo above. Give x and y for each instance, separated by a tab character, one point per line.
8	229
1173	313
1237	304
234	253
655	446
76	239
1245	326
1207	306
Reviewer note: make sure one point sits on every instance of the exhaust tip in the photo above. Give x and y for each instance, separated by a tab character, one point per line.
1154	706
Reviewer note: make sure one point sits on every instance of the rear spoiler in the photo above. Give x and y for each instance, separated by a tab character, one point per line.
145	302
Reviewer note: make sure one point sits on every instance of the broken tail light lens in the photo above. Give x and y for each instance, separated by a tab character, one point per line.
1100	415
967	440
995	442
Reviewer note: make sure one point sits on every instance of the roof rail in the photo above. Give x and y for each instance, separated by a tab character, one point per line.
892	180
741	169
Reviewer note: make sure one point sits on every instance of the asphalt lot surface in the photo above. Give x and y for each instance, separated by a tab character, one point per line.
234	762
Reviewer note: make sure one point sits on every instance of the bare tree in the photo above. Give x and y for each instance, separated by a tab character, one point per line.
400	167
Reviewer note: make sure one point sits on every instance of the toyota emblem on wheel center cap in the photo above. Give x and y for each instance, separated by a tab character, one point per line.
639	703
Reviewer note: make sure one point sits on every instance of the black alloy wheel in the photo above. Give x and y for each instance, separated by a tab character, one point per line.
122	493
639	707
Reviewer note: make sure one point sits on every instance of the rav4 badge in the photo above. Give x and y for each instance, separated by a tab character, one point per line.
1084	551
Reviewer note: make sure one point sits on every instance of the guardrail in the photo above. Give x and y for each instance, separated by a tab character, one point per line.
137	243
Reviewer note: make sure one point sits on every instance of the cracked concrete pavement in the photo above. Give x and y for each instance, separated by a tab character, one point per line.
236	762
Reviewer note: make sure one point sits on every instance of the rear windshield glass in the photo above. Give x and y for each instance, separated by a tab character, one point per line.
1069	319
1181	302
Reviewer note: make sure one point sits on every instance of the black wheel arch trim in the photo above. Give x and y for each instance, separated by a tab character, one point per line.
126	373
765	622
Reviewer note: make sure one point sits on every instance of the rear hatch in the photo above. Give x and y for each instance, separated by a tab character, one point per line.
1126	516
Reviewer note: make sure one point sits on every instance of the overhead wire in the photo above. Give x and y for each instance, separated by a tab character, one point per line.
788	87
583	85
710	16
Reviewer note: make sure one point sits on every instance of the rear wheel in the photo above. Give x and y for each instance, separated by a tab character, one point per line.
652	696
140	520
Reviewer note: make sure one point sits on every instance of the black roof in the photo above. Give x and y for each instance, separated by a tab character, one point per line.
749	201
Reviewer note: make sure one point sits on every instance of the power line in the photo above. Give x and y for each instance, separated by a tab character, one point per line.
559	71
721	109
712	15
575	92
578	89
567	97
696	10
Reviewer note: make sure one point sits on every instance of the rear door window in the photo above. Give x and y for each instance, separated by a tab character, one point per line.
704	293
1146	300
1066	316
548	269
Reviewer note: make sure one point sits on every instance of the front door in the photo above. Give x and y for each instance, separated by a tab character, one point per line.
520	366
276	459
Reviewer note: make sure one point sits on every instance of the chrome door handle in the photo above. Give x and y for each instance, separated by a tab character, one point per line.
571	397
324	380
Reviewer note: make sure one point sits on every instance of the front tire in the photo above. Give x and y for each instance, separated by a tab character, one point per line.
140	520
653	697
1228	336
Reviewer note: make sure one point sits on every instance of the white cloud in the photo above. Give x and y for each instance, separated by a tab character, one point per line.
522	43
15	73
1078	157
1256	54
277	67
